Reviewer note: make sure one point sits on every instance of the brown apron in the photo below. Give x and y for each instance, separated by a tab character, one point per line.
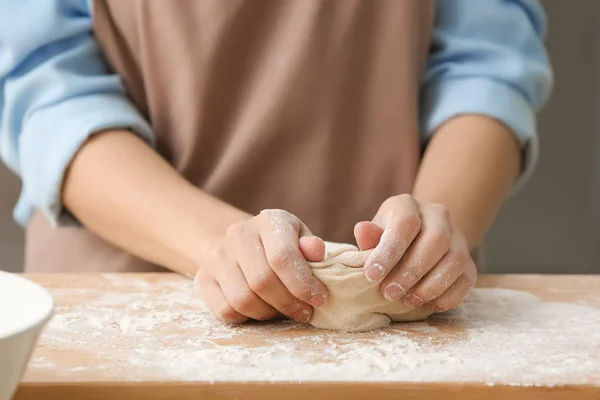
305	105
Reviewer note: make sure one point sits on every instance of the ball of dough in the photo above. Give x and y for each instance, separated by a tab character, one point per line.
354	303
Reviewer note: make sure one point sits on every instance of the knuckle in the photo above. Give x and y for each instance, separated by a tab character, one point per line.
467	281
266	315
429	291
262	216
458	258
201	277
389	201
237	230
200	282
440	238
411	221
268	214
470	270
221	259
410	276
404	197
228	315
261	283
408	279
422	293
279	218
391	253
243	301
282	256
395	201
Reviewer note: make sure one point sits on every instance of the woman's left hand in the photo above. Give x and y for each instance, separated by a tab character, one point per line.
419	256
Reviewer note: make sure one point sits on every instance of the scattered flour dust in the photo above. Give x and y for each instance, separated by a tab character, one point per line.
128	330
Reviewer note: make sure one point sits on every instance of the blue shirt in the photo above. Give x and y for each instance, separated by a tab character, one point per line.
487	58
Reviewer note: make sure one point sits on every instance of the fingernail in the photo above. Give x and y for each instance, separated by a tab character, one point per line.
393	292
357	227
413	300
374	272
317	300
303	316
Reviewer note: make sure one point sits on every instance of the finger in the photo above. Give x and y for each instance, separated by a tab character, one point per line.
367	235
213	297
263	281
455	294
425	252
437	281
401	226
280	232
312	248
233	283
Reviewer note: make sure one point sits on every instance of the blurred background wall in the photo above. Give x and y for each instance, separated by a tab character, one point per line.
11	236
553	224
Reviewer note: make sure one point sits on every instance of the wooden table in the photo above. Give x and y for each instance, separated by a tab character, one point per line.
133	336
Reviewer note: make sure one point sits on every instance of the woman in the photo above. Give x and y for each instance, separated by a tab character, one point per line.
224	139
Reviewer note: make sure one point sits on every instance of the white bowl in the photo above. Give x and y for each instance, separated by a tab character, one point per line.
25	308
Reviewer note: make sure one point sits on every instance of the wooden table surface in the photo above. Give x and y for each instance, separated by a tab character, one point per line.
130	336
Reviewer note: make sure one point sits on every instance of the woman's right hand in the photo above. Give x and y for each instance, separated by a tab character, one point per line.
247	267
260	270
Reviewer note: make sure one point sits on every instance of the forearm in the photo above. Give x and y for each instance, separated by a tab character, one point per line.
470	166
122	190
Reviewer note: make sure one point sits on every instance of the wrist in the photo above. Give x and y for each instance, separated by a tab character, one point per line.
206	221
469	166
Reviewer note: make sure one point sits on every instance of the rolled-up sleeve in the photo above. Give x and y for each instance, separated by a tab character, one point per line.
488	58
55	91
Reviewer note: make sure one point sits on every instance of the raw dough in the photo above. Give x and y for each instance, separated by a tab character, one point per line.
355	304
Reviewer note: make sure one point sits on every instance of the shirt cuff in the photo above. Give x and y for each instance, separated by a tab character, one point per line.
445	100
52	137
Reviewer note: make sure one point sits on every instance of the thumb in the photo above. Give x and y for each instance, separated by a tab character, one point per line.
367	235
312	248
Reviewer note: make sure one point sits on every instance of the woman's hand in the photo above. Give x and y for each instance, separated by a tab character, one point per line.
419	256
260	269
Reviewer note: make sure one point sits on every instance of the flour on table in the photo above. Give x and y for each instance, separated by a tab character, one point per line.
126	332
